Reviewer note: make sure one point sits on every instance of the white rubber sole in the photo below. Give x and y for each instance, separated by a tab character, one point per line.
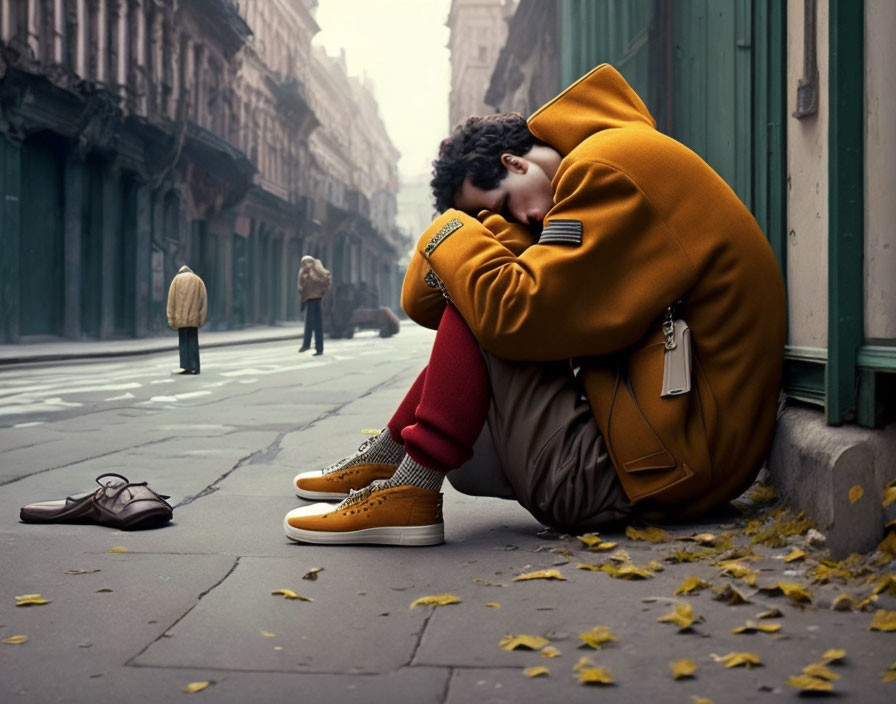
388	535
319	495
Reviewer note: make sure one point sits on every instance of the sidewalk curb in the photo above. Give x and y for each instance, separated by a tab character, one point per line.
153	345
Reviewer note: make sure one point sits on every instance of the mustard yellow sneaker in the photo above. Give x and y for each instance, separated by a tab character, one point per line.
320	485
402	515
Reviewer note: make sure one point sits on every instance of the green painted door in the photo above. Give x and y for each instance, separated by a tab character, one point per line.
41	248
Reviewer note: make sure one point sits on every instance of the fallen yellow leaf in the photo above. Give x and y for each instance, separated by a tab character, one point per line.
268	634
627	572
818	669
748	660
537	671
795	592
595	675
855	493
844	602
889	496
597	636
594	541
549	651
620	556
886	584
30	600
606	545
691	584
810	684
731	596
682	616
889	675
582	663
15	640
687	556
493	604
752	627
883	621
651	534
589	566
794	555
770	613
654	566
887	546
435	600
701	700
739	570
194	687
703	539
290	594
540	574
833	655
117	548
525	642
867	603
682	668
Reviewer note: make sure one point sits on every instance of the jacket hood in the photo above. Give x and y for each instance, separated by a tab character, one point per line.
599	100
183	269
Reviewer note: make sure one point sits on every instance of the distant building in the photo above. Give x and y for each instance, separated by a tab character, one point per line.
478	31
139	135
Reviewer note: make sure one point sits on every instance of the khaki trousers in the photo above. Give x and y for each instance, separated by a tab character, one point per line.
542	448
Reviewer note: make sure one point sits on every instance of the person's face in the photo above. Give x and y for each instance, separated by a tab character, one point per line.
524	195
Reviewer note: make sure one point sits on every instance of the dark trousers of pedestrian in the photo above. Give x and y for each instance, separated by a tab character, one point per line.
314	322
188	343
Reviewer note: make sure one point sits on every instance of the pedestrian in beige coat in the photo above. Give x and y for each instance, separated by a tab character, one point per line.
313	282
187	305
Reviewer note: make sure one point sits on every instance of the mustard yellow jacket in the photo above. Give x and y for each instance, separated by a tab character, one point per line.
639	222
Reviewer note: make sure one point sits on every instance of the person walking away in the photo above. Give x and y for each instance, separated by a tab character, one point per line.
314	282
187	306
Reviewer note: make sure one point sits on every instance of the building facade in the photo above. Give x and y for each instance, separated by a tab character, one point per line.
140	135
478	31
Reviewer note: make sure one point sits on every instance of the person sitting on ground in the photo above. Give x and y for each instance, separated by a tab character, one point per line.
604	301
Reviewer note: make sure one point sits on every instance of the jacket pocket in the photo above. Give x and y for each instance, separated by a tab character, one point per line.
647	434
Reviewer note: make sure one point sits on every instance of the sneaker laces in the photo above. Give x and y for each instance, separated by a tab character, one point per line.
345	461
357	495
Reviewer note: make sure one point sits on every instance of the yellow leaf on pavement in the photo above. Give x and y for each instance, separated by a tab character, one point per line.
595	675
883	621
30	600
268	634
752	627
748	660
524	642
194	687
844	602
435	600
540	574
493	604
887	547
810	684
589	566
703	538
856	492
537	671
651	534
312	573
620	556
770	613
795	592
701	700
593	541
682	668
15	640
687	556
597	636
889	675
738	570
682	616
833	655
549	651
117	548
627	572
867	603
818	669
889	496
730	595
886	584
794	555
582	663
691	584
290	594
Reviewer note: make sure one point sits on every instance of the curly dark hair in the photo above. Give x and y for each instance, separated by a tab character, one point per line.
474	149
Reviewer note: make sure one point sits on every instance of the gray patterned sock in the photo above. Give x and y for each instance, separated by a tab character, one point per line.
380	449
411	473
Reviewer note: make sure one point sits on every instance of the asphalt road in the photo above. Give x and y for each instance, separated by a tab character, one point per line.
192	602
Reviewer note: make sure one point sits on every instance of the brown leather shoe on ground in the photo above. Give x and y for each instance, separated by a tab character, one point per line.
320	485
402	515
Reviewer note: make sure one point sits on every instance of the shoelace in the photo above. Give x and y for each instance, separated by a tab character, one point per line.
120	487
357	495
336	466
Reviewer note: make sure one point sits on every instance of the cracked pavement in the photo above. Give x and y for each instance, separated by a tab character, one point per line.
192	602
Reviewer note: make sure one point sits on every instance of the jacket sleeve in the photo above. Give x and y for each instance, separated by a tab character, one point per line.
203	303
603	270
422	299
170	307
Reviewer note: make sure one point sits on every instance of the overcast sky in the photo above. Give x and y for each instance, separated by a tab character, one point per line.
402	46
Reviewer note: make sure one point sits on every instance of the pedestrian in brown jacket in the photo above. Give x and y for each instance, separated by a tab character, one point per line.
313	283
590	254
187	306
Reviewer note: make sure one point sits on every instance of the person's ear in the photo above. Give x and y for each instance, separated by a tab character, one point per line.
513	163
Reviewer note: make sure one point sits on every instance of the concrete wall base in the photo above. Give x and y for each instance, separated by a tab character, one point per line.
814	466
